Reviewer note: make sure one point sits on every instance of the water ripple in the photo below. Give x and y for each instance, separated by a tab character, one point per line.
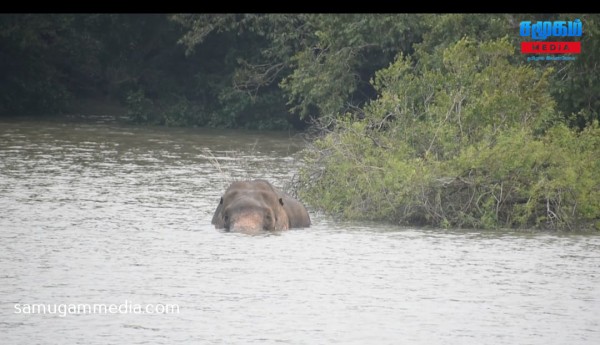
101	213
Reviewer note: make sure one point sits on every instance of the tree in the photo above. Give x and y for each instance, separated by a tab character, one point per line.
323	63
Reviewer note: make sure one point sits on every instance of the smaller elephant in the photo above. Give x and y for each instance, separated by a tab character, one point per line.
255	206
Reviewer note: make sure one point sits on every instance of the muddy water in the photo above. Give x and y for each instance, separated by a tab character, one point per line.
92	212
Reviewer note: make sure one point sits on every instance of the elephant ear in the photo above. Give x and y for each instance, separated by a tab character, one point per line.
282	221
217	219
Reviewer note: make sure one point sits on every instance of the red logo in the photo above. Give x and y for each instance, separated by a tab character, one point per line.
550	47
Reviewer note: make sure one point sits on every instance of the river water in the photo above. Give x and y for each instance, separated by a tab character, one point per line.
93	212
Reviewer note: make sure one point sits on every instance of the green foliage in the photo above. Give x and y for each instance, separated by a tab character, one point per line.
523	180
576	87
220	69
181	113
462	138
475	93
323	63
332	70
139	107
30	72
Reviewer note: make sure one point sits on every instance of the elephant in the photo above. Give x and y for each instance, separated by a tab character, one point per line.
256	206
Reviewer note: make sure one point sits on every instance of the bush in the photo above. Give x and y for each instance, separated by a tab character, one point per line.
464	138
139	107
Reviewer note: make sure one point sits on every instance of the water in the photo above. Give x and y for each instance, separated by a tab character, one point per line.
95	212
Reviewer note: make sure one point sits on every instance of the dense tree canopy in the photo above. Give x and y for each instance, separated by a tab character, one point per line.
248	70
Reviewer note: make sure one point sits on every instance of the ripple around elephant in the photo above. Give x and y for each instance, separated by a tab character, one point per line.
256	206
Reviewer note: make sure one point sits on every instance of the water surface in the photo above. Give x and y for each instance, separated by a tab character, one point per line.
96	212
